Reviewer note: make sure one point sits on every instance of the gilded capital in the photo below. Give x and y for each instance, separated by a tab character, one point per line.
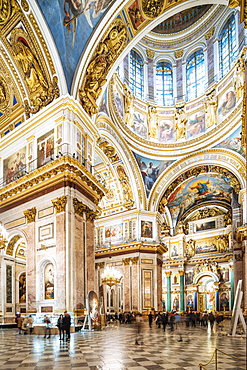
60	203
30	215
126	261
150	53
134	260
99	265
179	53
168	273
82	209
181	272
209	33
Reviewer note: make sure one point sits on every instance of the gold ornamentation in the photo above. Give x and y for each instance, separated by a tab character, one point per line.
209	33
134	260
152	8
207	266
181	272
4	94
127	192
30	215
244	123
190	248
152	122
239	77
165	229
108	50
180	122
241	233
150	53
179	53
25	5
82	209
60	203
126	261
7	9
11	244
168	273
205	213
162	205
222	243
99	265
210	107
128	107
180	229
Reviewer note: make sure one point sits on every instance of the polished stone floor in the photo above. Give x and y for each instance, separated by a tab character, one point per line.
114	349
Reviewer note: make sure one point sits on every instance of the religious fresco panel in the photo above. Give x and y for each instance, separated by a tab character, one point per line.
198	190
45	148
49	281
196	124
118	99
150	169
140	125
114	233
166	131
14	166
227	103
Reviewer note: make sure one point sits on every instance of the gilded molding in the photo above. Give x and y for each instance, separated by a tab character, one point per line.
25	5
205	213
11	244
152	9
209	33
8	9
59	204
30	214
64	168
179	53
241	233
109	48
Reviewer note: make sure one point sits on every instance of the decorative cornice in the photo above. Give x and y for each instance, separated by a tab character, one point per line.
99	265
30	214
59	204
241	233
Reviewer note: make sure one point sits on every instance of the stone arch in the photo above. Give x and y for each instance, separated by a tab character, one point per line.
223	159
205	273
11	244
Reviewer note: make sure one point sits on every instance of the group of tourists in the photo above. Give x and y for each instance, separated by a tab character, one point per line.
25	325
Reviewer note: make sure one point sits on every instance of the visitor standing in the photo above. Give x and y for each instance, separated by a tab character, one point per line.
60	326
66	325
47	321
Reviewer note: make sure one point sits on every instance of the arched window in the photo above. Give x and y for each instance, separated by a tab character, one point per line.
136	74
164	84
195	75
227	46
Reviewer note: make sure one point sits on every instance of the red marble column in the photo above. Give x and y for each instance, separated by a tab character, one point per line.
126	285
79	258
135	287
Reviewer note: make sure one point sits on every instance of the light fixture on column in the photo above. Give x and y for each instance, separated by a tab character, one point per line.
111	275
3	237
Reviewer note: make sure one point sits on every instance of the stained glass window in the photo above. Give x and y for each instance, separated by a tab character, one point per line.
136	74
195	75
227	46
164	84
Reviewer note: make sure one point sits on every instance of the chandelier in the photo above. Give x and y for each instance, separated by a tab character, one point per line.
111	276
3	237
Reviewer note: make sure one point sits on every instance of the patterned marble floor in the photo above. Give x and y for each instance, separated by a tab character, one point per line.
114	349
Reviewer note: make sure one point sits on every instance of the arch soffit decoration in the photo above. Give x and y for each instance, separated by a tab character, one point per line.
90	53
221	158
108	131
12	244
206	273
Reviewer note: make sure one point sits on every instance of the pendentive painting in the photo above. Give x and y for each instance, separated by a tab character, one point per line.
45	148
49	281
14	166
233	142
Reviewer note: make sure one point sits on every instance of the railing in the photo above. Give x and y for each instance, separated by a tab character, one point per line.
215	355
19	169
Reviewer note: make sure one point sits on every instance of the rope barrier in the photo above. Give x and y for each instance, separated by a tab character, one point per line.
202	366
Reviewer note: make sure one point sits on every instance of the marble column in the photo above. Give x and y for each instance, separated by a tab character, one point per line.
159	284
150	74
135	284
61	262
90	261
168	293
210	55
79	261
195	301
126	284
217	300
179	83
181	295
30	215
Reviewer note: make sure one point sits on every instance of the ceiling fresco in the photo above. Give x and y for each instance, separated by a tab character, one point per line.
71	23
199	190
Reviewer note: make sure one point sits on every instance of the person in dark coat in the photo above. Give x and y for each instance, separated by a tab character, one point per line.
150	319
66	325
60	326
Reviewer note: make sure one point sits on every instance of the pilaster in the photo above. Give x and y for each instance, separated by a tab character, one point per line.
30	215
